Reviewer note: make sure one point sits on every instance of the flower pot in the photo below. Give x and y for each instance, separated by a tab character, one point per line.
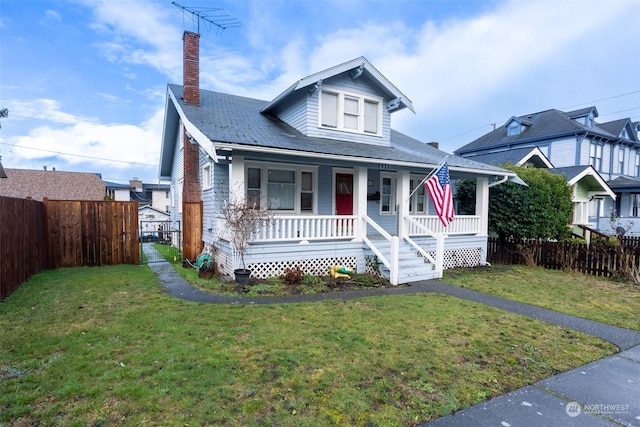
206	273
242	276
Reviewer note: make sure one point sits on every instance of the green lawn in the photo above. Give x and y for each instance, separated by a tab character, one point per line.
104	345
581	295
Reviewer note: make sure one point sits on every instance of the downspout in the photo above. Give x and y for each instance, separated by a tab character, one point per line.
579	148
504	179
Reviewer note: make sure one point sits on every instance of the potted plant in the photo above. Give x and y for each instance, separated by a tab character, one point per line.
242	217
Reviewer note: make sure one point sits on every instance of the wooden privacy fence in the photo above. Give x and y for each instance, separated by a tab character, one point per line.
595	259
54	233
192	229
91	233
21	242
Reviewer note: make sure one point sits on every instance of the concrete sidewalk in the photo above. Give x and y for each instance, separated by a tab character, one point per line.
602	393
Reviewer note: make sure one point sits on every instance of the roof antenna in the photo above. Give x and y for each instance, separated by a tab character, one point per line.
211	18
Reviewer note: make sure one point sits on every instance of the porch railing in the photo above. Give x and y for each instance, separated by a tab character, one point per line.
419	229
312	227
391	264
462	224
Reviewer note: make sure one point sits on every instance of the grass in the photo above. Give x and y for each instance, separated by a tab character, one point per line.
104	345
591	297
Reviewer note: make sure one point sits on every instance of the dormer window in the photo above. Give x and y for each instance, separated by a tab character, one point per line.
350	112
624	134
514	128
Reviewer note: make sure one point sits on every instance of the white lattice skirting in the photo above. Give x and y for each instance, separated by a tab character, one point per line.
457	258
315	267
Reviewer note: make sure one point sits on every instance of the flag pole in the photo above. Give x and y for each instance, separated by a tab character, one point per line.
429	175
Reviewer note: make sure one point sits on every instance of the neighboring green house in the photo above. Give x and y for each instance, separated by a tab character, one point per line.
333	173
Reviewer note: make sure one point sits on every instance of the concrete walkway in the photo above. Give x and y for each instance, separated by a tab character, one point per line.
602	393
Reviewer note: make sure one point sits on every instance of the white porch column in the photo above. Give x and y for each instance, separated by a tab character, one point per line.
360	198
482	204
402	201
236	177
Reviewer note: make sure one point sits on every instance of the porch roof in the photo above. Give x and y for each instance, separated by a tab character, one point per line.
230	121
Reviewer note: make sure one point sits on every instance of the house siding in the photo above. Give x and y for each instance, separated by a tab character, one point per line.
295	115
561	152
176	179
360	85
213	199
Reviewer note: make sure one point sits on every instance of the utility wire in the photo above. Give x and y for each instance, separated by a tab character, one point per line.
80	155
564	108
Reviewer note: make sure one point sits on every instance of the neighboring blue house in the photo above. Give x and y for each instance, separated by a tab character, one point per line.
332	171
601	160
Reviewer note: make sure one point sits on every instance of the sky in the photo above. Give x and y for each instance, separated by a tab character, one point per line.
85	80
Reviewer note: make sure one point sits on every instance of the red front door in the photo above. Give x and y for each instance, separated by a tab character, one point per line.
344	194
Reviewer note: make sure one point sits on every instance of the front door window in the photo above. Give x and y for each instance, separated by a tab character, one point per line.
344	194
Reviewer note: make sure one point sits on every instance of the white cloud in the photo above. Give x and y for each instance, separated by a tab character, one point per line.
77	140
42	109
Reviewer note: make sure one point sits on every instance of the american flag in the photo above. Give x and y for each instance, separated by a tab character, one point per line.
439	188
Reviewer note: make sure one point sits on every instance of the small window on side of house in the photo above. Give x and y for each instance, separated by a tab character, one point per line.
206	177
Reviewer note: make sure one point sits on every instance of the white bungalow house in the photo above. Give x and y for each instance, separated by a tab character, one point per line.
335	176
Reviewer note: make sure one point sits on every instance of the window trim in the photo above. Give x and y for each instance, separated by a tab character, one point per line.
634	205
207	182
298	169
621	158
514	128
413	200
597	155
362	99
392	193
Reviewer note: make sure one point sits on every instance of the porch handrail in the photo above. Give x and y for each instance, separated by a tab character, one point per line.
438	261
461	224
391	264
299	228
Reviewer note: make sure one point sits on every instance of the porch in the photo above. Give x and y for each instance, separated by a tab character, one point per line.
317	242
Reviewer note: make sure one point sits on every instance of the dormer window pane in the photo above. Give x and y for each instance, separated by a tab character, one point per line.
370	117
513	129
351	113
329	109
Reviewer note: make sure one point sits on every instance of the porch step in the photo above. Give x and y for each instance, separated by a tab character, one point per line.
412	266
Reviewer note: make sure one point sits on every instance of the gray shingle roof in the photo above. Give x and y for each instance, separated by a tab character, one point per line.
231	119
503	157
569	171
54	185
625	183
545	125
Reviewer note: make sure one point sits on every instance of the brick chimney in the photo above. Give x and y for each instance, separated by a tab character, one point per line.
191	95
434	144
191	67
191	197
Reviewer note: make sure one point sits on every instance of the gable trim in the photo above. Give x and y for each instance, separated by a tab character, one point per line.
351	66
193	132
536	152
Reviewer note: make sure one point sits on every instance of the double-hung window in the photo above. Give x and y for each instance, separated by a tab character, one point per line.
635	205
621	153
282	188
637	165
350	112
387	194
418	200
595	156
